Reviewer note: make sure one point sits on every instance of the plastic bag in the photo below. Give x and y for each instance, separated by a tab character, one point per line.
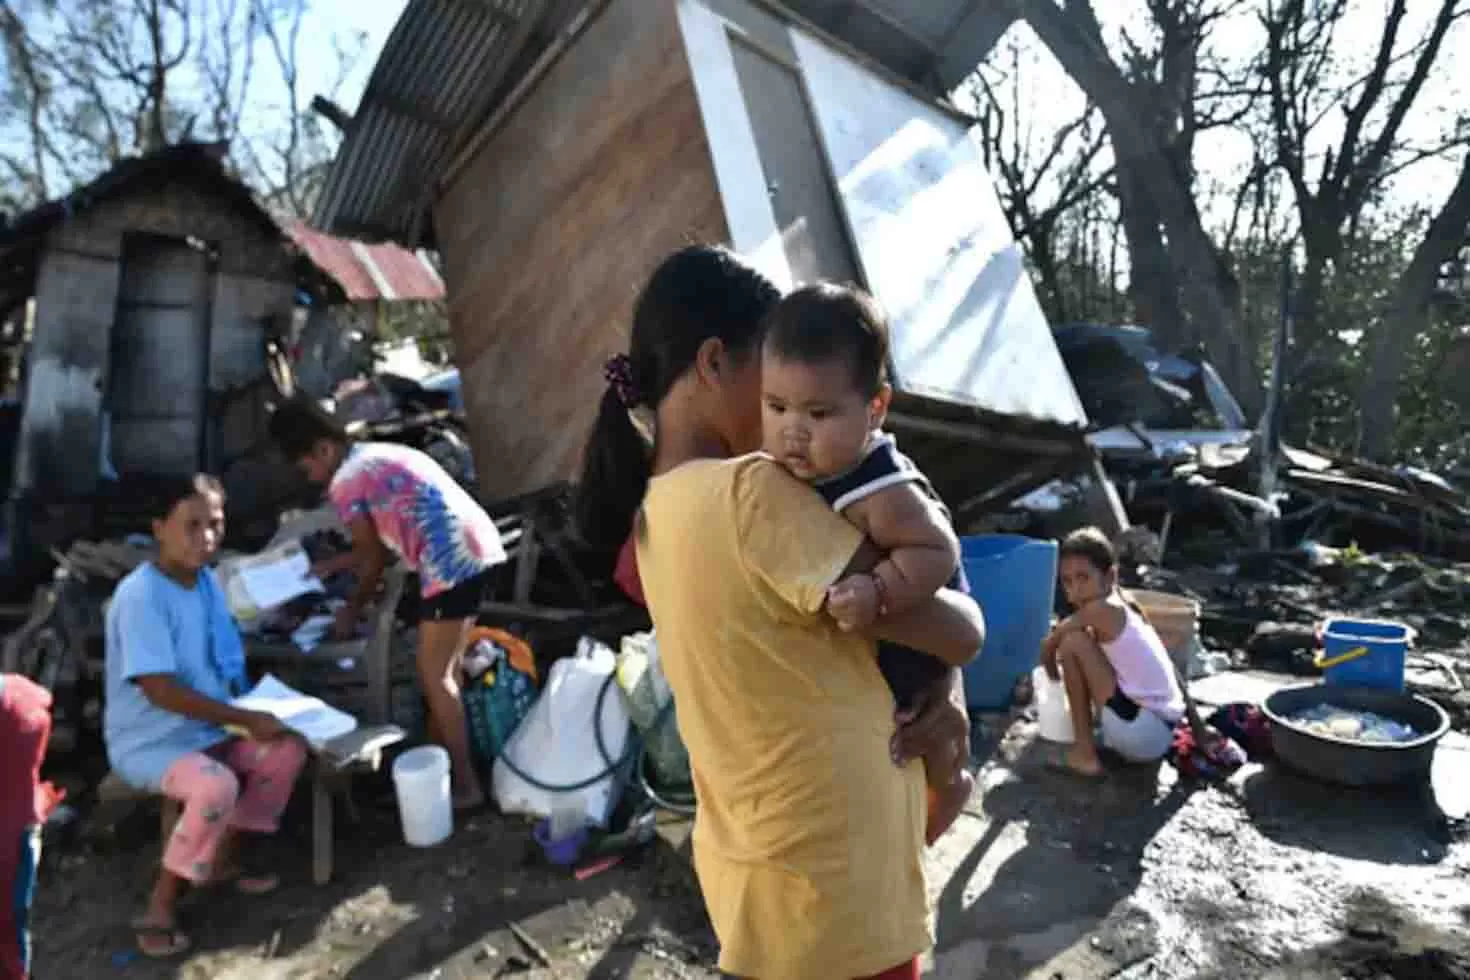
641	677
556	745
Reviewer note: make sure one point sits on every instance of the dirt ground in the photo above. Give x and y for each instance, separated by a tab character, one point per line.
1268	876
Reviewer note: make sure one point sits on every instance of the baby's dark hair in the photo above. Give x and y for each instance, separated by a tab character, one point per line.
1091	544
298	424
174	490
825	321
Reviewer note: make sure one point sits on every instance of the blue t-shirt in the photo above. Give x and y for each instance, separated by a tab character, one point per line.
156	626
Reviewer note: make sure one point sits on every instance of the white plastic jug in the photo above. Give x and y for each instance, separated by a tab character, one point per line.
421	780
1051	707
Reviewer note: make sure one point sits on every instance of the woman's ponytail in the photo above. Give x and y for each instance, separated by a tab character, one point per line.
615	470
697	293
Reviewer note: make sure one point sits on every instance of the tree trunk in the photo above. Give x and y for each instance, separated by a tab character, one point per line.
1043	257
1151	283
1207	295
1406	317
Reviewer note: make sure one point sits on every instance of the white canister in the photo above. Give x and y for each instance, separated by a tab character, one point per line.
421	778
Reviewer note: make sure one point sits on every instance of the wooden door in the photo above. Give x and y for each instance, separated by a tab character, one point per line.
156	412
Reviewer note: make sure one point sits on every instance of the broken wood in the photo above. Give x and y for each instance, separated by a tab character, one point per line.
532	946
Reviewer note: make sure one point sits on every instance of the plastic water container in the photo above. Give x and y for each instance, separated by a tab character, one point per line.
1013	578
421	781
1052	711
1364	653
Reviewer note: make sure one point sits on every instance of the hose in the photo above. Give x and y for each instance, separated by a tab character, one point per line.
629	751
634	755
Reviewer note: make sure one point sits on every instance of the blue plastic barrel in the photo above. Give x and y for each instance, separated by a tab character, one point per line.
1364	653
1013	578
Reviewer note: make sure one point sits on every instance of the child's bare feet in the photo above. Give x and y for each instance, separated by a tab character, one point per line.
946	805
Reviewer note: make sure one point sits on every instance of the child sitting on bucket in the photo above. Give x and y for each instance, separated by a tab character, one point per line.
1115	667
825	397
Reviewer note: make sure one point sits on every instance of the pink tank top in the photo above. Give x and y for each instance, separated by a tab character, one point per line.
1144	670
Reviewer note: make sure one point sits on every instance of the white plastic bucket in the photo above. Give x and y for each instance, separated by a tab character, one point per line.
421	781
1051	707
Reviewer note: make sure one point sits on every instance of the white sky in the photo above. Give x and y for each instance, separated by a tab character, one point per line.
1049	100
374	18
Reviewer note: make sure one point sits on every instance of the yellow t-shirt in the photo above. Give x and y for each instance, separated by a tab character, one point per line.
808	839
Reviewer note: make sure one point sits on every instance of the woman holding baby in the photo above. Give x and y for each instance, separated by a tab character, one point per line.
811	818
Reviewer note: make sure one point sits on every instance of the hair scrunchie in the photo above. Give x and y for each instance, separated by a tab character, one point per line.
619	373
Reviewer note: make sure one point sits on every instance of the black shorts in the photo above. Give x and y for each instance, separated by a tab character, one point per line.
1123	706
460	602
909	673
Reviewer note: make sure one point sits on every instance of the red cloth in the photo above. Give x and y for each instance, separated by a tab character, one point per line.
25	728
904	971
25	801
625	573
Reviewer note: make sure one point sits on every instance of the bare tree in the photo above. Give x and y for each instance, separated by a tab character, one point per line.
1042	178
1154	107
1301	69
93	81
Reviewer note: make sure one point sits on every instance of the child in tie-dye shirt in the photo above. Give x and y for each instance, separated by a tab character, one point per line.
396	499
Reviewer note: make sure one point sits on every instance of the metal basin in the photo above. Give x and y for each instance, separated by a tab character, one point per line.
1350	763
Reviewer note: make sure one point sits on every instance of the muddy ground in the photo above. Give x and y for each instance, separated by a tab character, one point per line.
1269	875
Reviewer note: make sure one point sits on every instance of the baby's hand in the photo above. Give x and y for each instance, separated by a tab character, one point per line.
853	602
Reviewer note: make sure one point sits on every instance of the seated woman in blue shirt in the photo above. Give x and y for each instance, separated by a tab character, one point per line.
174	662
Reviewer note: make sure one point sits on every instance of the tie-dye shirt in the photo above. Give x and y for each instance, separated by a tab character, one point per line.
419	511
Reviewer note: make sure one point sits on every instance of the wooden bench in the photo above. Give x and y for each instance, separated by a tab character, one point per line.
366	694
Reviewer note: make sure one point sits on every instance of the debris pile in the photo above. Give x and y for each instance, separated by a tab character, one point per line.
1264	610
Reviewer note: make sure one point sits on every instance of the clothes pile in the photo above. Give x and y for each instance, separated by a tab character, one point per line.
274	596
1353	726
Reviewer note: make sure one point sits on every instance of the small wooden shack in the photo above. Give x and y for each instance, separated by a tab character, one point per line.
601	136
155	287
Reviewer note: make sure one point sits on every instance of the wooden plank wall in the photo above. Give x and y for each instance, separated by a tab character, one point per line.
76	306
551	229
59	445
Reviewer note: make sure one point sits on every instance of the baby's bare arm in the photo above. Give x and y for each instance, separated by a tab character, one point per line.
921	548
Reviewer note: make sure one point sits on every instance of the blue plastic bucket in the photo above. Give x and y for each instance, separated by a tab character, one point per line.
1364	653
1013	579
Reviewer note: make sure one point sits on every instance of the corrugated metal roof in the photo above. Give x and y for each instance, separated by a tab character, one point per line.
369	272
445	67
449	63
934	43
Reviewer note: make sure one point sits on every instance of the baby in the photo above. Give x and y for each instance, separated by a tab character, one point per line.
824	400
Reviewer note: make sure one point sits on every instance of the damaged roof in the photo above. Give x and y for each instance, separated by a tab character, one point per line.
445	67
369	272
935	43
449	64
361	271
199	164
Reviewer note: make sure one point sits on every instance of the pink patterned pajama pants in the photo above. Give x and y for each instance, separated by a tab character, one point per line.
240	785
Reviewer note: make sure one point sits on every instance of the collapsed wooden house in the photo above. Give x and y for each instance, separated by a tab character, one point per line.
556	155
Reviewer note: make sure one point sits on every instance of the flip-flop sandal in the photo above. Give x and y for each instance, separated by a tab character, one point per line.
176	939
